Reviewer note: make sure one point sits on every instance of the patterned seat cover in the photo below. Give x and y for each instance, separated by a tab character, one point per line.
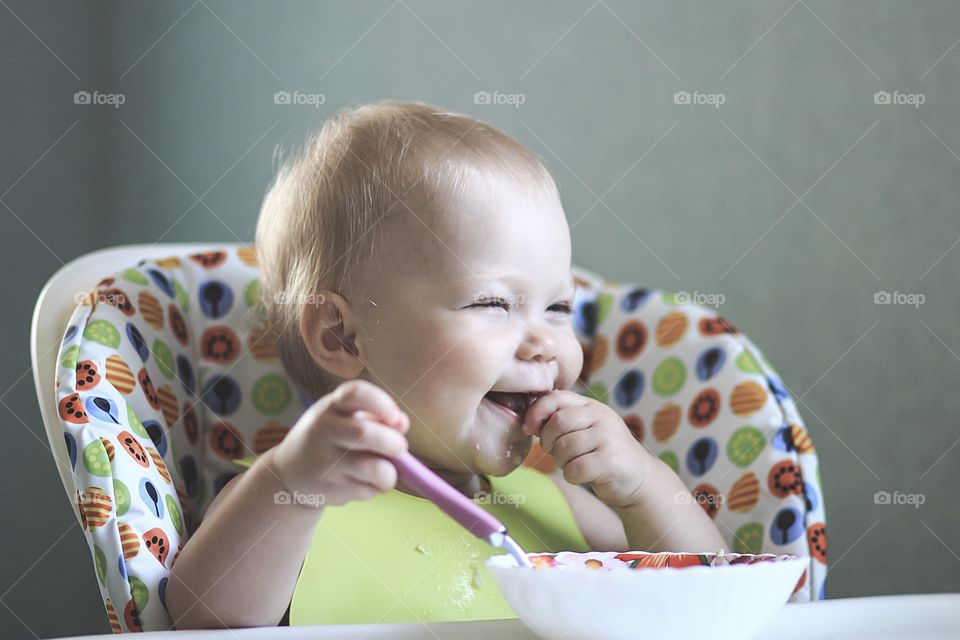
166	374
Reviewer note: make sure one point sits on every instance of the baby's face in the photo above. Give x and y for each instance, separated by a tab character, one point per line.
479	301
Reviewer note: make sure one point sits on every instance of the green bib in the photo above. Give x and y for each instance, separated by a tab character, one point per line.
399	558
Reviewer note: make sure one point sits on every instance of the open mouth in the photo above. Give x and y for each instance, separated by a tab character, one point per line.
516	402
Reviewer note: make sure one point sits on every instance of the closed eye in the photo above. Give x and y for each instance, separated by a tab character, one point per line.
561	307
492	303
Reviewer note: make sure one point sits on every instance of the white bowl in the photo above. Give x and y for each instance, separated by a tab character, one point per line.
720	601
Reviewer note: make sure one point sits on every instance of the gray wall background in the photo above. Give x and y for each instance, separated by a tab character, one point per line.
797	199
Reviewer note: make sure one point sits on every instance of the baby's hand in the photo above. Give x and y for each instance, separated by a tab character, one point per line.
591	443
338	447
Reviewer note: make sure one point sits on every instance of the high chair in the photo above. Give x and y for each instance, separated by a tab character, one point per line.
154	372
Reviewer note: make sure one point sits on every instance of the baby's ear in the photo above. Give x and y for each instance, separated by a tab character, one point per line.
328	328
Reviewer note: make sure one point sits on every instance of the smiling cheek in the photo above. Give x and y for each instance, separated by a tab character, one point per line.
442	371
445	373
463	372
570	357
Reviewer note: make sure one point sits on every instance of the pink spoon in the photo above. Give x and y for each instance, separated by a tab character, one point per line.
473	518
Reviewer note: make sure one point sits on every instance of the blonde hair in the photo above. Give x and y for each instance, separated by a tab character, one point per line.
361	165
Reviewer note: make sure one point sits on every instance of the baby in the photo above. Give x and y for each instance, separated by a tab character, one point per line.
416	269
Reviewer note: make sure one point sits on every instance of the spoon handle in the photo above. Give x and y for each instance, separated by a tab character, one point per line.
434	488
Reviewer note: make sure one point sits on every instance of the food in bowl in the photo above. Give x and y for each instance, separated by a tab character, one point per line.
647	560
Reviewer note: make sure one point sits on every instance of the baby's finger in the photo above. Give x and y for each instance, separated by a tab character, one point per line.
400	420
545	406
359	395
372	470
563	421
358	434
572	445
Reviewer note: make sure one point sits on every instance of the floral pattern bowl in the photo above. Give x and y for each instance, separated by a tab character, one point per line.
637	594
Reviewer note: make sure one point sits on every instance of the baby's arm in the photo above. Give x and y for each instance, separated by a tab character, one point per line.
670	527
240	567
590	443
664	518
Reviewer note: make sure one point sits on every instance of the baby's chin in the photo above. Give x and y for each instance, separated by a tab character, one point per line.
501	458
499	446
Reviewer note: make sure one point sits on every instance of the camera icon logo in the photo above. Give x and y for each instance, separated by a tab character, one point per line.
881	497
81	97
881	97
481	97
281	97
882	297
681	97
